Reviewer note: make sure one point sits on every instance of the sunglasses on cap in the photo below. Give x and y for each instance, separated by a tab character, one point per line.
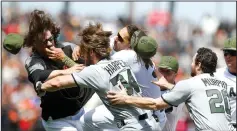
229	52
50	39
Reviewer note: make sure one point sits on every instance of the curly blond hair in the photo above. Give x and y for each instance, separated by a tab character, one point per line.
95	38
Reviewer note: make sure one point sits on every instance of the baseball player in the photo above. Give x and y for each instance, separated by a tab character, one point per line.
136	50
204	95
103	75
168	67
229	74
42	37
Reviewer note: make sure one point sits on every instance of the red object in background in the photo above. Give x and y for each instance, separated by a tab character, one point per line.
11	28
161	18
12	115
24	125
182	125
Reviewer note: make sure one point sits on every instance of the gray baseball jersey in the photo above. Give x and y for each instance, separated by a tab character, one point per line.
206	100
111	75
230	79
144	76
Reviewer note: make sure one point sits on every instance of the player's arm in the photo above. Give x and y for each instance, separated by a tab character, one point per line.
180	93
141	102
37	70
59	82
84	78
43	75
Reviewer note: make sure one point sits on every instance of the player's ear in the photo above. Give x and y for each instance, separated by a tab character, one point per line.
91	52
199	66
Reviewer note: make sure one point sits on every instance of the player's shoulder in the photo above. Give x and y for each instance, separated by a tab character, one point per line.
220	71
192	80
183	83
33	59
126	55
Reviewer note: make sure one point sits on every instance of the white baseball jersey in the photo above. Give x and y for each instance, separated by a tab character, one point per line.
173	114
206	100
230	79
111	75
144	77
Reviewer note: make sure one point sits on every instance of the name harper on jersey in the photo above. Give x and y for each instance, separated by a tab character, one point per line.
114	66
214	82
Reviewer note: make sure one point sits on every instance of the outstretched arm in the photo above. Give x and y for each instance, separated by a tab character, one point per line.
117	98
59	82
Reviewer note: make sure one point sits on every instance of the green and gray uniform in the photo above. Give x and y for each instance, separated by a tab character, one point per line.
114	75
206	100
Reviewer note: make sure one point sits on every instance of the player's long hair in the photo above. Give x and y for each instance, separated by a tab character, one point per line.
39	23
208	60
131	29
95	38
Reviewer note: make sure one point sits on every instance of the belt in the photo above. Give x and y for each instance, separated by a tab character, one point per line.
234	125
122	123
155	117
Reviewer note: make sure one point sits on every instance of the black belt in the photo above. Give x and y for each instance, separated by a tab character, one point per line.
140	118
234	125
155	117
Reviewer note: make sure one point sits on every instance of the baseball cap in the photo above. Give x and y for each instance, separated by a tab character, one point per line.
13	43
169	62
230	44
145	46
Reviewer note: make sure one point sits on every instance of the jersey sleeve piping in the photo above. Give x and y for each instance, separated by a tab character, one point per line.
75	80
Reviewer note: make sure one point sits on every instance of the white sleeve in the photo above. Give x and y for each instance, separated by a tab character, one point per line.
179	94
87	78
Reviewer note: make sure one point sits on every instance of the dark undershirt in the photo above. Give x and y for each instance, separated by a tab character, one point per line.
231	73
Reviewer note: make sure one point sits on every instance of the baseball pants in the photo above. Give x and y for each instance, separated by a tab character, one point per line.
101	119
69	123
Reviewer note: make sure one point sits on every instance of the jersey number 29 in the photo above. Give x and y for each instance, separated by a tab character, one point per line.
218	100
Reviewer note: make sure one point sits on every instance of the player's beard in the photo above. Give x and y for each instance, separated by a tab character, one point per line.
193	73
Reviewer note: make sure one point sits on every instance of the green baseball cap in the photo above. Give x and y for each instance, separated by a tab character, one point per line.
169	62
230	44
13	43
146	47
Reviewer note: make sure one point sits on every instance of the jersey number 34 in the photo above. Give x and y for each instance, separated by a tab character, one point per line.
126	80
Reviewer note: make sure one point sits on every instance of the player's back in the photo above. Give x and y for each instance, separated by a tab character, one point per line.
144	76
114	75
208	103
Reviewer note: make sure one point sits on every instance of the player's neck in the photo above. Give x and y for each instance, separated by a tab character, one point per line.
232	71
199	72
